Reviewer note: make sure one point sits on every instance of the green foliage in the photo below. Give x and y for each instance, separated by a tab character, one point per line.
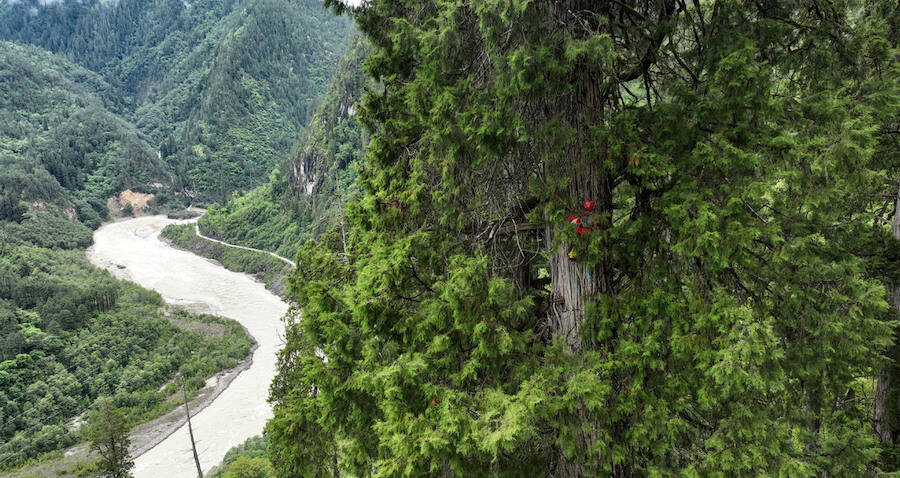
26	179
301	200
257	219
247	460
715	321
60	142
221	88
270	270
70	333
46	229
108	434
11	209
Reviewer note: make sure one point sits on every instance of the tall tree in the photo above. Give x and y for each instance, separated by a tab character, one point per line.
883	245
886	413
706	316
108	434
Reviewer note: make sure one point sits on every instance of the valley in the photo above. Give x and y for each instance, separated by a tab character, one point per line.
182	278
568	239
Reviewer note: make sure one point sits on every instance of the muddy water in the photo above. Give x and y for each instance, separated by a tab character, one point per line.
132	250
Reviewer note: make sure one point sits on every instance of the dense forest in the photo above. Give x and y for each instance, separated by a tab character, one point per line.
607	239
248	460
221	89
62	142
72	333
568	239
304	197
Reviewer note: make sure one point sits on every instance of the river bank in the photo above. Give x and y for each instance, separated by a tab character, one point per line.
132	250
144	436
266	267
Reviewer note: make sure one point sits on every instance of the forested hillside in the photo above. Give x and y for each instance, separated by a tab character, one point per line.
71	333
221	88
63	144
182	100
608	239
303	198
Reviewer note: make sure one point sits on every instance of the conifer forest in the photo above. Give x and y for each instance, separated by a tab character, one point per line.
503	238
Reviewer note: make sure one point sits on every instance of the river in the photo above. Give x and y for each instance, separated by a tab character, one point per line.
131	249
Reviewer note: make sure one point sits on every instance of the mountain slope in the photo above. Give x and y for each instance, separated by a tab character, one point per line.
302	198
221	87
61	141
267	74
160	96
70	333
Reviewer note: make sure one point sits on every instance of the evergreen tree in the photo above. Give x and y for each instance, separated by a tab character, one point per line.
108	434
880	245
709	316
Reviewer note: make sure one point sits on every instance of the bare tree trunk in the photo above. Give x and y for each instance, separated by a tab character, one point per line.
191	430
882	416
340	201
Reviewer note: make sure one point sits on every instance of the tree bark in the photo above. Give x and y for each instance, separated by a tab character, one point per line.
582	108
884	409
573	282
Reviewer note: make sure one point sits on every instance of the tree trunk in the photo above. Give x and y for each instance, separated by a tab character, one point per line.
581	108
584	105
573	282
884	409
191	430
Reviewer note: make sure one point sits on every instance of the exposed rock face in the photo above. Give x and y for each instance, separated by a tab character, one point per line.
333	130
306	174
138	202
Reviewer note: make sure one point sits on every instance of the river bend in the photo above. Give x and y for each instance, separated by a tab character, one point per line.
131	250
